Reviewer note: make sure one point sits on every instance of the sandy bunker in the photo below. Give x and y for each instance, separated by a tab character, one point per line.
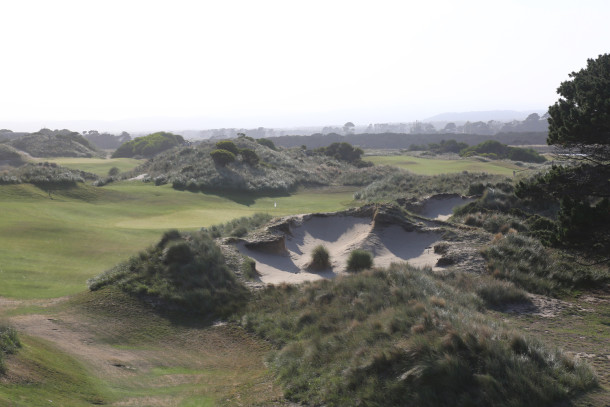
340	235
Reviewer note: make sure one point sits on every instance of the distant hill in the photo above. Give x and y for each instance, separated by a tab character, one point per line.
405	140
194	168
483	116
55	143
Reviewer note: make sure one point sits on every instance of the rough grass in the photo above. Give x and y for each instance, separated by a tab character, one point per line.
9	343
402	184
183	271
526	262
359	260
382	337
278	171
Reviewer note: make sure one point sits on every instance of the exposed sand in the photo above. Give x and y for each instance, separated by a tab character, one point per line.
340	235
441	208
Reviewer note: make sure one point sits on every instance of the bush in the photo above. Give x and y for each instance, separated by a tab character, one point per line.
267	143
249	156
222	157
114	171
320	259
9	343
359	260
227	145
149	146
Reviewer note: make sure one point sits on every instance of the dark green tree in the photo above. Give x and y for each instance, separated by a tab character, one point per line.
227	145
222	157
579	126
580	120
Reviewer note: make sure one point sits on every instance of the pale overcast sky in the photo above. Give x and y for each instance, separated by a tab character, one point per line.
288	63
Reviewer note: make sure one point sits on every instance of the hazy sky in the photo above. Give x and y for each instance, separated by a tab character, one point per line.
288	63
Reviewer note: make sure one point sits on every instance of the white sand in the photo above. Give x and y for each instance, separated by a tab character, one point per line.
340	235
442	208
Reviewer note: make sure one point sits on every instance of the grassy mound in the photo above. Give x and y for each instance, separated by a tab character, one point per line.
10	156
402	183
320	258
359	260
194	168
184	271
148	146
386	337
45	174
57	143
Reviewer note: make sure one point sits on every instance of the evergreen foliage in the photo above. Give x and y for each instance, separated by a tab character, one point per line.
149	146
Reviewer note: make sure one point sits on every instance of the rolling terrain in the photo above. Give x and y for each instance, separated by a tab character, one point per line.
110	347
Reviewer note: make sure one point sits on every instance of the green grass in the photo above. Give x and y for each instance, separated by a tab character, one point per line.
50	247
98	166
66	382
435	166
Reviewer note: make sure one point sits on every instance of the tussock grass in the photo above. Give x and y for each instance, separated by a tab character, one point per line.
385	336
359	260
9	344
184	271
530	265
402	183
239	227
320	258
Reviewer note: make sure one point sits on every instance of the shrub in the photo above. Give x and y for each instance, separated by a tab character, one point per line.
227	145
267	143
9	343
149	146
320	259
114	171
222	157
359	260
249	156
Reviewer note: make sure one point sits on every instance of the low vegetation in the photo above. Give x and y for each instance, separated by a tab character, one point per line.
240	226
45	174
184	271
254	168
10	156
9	343
320	258
55	143
359	260
149	146
495	150
385	336
403	183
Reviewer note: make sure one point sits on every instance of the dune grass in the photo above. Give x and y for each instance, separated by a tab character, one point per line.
50	247
435	166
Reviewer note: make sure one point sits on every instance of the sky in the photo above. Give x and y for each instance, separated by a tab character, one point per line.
233	63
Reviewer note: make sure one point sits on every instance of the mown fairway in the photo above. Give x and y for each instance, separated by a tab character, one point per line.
435	166
99	166
50	246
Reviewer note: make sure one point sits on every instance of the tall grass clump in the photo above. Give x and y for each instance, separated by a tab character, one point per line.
359	260
401	336
526	262
9	343
401	183
239	227
320	258
184	271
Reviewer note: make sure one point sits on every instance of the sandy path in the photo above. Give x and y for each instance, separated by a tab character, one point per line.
341	235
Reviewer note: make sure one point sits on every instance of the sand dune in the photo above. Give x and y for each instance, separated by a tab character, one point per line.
441	208
340	235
